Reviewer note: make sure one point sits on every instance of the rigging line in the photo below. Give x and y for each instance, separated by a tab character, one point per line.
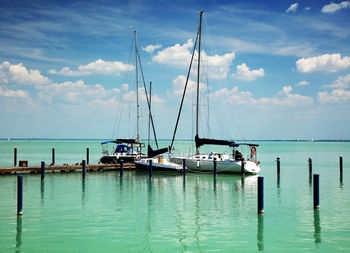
183	95
148	103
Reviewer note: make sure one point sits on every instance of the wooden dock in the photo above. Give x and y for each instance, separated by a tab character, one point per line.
64	168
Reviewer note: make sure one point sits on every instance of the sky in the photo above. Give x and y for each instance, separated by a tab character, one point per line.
269	69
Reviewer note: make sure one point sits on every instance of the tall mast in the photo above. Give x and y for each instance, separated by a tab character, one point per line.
137	92
198	72
149	117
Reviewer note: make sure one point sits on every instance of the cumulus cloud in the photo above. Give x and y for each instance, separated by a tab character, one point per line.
71	92
335	96
342	82
243	73
325	62
179	84
5	92
178	55
333	7
96	67
292	8
131	97
150	48
17	73
285	97
302	83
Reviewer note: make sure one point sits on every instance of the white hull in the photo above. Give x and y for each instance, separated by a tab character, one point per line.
158	164
222	166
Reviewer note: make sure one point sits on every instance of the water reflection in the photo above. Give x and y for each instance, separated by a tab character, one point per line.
341	181
42	192
260	234
19	234
214	185
83	182
197	214
317	226
149	217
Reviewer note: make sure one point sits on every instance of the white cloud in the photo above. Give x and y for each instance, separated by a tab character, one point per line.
307	8
20	75
179	84
302	83
125	86
5	92
96	67
177	55
131	97
150	48
336	96
292	8
333	7
243	73
71	92
216	66
325	62
285	97
342	82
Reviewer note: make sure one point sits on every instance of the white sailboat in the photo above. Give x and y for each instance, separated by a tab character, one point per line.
159	162
127	150
229	163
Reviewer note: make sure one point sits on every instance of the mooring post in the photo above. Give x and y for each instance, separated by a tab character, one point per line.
310	166
184	166
215	168
242	166
87	155
53	156
42	171
19	195
260	195
278	167
341	165
15	157
316	191
150	168
121	168
84	169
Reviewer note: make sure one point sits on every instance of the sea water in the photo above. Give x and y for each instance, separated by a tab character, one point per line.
172	213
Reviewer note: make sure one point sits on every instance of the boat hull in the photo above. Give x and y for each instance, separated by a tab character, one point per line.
225	166
156	167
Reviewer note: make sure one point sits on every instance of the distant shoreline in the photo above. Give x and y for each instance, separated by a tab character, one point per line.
96	139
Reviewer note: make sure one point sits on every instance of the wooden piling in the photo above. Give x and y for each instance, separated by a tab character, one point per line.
215	167
84	169
310	166
278	167
87	155
42	171
341	165
242	166
260	195
15	157
53	156
316	191
150	168
184	166
19	195
121	168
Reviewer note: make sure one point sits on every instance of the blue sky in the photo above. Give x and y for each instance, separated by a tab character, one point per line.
271	69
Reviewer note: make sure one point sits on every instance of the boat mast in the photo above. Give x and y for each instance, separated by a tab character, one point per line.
149	116
137	92
198	72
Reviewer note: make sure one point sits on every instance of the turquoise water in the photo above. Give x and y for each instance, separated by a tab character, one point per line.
168	213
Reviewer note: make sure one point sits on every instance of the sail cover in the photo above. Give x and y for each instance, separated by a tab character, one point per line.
204	141
152	153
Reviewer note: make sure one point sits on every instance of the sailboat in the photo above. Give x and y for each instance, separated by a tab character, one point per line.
127	150
159	162
229	163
